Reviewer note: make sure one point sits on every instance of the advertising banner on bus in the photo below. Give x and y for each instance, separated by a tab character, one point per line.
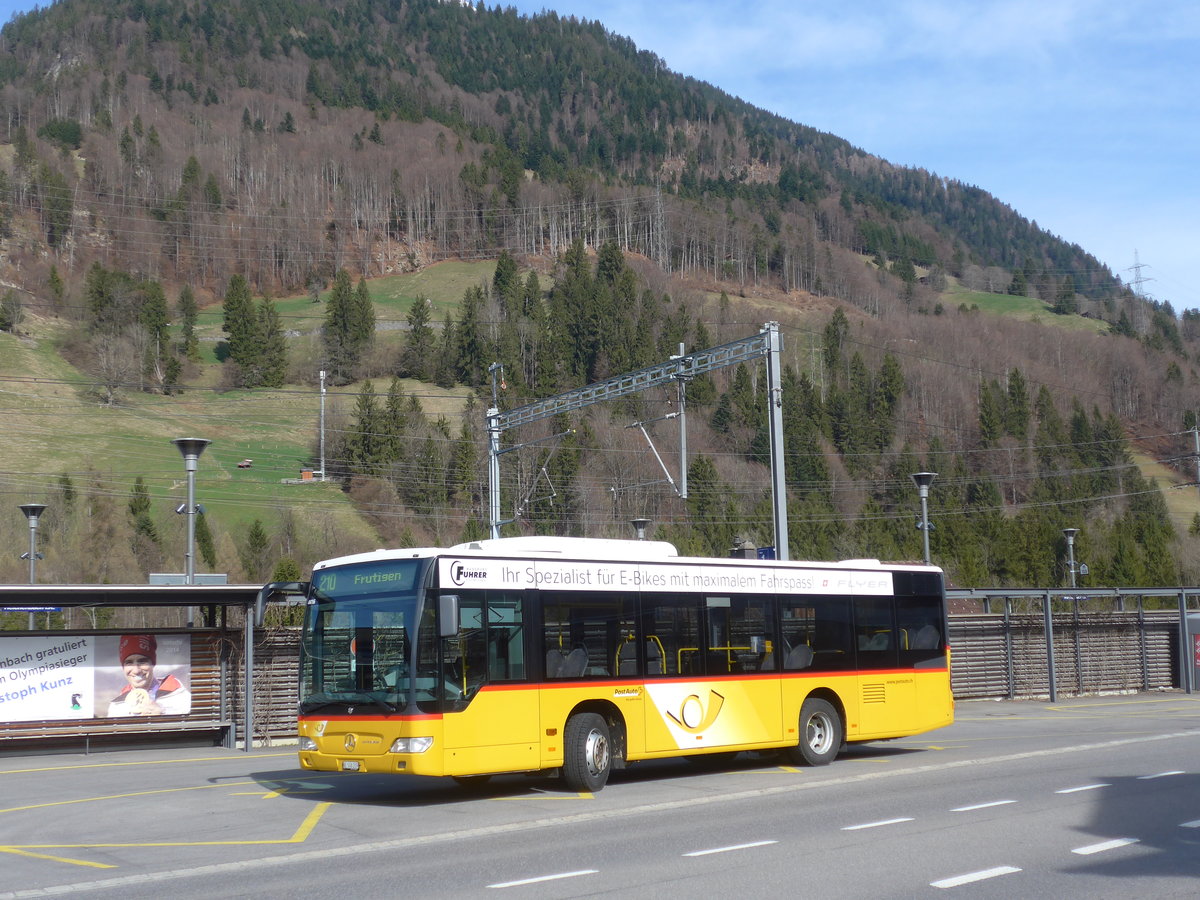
591	575
54	678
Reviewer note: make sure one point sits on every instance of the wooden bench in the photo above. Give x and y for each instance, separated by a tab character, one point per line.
84	735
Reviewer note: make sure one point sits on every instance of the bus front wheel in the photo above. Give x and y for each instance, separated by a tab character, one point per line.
820	733
587	752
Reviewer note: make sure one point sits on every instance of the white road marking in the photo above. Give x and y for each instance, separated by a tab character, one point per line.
728	849
456	837
983	875
1085	787
1195	824
875	824
541	878
982	806
1105	845
1160	775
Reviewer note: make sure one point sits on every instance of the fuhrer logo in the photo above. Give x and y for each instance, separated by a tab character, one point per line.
460	573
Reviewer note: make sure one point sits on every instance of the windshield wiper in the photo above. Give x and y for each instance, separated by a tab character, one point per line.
384	703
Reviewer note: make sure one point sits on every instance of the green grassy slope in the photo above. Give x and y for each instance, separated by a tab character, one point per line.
55	422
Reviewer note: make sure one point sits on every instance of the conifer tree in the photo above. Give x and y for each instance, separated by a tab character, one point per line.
204	541
506	285
54	281
445	364
416	355
254	556
531	298
362	443
240	322
473	353
991	414
1016	409
393	423
189	313
272	355
364	317
346	330
710	513
153	318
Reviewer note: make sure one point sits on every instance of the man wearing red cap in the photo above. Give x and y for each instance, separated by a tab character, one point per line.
146	695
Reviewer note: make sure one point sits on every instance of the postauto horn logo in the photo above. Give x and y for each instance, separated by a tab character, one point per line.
461	574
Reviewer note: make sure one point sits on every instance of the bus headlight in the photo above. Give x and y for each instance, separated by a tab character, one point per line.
307	743
411	745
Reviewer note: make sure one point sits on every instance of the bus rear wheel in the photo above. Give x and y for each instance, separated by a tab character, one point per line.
821	733
587	752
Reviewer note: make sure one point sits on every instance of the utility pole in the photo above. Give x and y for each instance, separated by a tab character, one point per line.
322	425
32	511
1070	533
923	480
190	449
1196	452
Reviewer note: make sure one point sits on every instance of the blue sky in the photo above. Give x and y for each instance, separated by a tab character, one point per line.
1080	114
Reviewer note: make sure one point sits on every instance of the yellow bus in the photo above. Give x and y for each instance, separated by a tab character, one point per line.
582	656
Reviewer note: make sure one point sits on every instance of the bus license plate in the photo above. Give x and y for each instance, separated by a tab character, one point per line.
349	765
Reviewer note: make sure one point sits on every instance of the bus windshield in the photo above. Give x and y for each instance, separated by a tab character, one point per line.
358	636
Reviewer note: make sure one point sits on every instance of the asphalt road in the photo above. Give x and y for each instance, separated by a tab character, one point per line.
1094	797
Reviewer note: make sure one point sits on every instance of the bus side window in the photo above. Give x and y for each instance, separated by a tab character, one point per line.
919	620
823	625
674	622
464	655
506	636
584	633
741	634
875	632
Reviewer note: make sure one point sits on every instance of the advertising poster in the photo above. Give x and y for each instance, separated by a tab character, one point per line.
48	678
142	675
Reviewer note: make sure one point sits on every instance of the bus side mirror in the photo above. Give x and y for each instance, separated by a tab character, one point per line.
448	615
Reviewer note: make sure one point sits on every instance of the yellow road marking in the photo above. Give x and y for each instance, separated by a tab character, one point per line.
16	851
773	770
541	794
157	762
1110	703
310	822
278	792
199	787
301	835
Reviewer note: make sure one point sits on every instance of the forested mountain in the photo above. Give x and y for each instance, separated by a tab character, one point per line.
158	159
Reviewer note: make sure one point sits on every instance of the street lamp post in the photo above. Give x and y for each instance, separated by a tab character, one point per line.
923	480
1070	534
190	448
32	511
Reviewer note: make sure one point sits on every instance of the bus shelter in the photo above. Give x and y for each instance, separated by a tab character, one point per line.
129	664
